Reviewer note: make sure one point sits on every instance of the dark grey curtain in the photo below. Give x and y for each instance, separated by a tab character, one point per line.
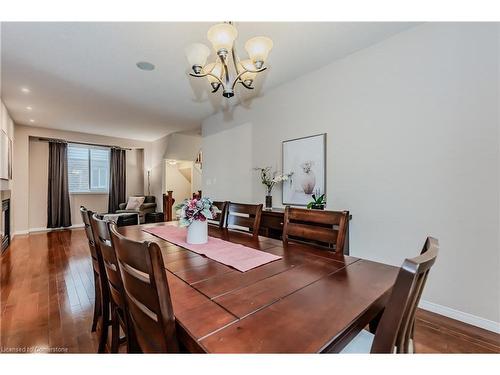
116	179
58	210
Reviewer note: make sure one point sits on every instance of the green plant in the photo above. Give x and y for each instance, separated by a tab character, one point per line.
320	201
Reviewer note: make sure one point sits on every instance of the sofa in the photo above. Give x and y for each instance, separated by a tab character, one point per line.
149	205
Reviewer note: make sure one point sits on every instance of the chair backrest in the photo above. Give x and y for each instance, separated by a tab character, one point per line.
327	228
103	241
86	215
244	216
396	324
220	218
147	293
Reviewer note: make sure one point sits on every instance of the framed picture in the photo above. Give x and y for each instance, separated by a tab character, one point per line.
10	159
4	155
305	158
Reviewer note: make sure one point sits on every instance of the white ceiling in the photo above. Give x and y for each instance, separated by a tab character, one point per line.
83	76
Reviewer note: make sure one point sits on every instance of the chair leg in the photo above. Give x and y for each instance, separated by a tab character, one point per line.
132	344
97	303
373	325
103	338
115	331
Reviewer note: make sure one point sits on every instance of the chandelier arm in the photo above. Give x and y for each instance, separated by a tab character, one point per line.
233	51
246	86
207	74
258	70
238	77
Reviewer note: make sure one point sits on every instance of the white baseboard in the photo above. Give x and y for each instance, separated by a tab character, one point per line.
21	232
43	229
474	320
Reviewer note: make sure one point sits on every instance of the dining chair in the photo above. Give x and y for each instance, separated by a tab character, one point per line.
245	217
147	294
219	219
101	301
114	286
323	228
395	330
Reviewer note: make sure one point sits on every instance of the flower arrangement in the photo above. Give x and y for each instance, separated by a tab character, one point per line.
270	179
196	209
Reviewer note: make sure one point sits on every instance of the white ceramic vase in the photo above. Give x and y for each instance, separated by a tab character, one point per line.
308	182
197	232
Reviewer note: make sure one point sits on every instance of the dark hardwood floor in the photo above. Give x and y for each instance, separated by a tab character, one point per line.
47	293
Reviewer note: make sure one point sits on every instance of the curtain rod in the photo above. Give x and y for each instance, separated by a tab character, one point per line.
42	139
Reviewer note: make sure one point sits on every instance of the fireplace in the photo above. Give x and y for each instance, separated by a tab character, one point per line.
5	224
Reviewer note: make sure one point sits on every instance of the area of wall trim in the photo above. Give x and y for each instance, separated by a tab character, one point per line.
461	316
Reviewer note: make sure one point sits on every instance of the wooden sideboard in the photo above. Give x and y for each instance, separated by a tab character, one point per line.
271	225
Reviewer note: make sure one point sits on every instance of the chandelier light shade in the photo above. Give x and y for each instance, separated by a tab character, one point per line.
220	73
216	70
222	36
247	77
258	49
197	55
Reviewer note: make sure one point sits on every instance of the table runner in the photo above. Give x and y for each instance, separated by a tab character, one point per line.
241	257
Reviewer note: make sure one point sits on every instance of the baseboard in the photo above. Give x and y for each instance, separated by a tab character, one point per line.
21	232
474	320
43	229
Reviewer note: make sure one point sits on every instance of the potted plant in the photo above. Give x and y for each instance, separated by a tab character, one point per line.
317	203
270	179
193	215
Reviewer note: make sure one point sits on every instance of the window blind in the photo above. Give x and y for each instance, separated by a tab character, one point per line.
88	169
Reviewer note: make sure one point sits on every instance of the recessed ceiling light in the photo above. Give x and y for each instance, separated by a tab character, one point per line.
31	120
29	108
144	65
25	90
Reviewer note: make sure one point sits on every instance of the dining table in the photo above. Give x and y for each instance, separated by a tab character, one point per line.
311	300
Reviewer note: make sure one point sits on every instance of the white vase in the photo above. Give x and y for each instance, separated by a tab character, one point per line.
197	232
308	182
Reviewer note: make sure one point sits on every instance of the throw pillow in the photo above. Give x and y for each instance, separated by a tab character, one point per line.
134	203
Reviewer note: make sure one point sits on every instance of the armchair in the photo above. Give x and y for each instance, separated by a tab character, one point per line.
149	205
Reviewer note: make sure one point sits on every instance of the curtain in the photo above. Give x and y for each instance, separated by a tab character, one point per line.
58	209
116	179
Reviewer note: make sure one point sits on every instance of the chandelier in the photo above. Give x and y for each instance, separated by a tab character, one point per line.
220	73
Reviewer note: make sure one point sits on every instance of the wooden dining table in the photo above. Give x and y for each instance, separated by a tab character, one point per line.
309	301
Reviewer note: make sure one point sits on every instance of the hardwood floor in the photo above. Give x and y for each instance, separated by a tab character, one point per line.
47	294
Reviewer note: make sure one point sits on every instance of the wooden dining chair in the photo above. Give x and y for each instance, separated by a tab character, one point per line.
101	299
147	294
220	218
324	228
244	217
395	330
114	286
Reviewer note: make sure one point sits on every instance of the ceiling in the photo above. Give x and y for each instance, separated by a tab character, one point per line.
83	77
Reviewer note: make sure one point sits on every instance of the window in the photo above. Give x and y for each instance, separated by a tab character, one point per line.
88	169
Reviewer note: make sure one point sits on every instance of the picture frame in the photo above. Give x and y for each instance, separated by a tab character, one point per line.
305	158
5	157
10	159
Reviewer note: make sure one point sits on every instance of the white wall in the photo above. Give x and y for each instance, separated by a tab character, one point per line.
176	181
412	149
228	160
7	126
